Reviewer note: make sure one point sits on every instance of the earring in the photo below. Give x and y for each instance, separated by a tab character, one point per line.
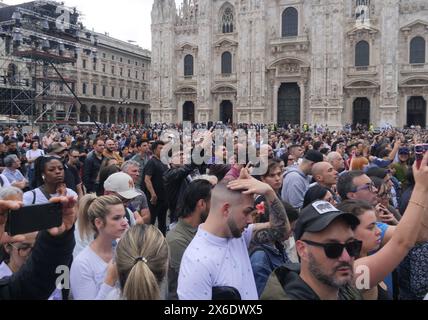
43	177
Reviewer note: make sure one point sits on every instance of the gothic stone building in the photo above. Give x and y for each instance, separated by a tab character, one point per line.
290	61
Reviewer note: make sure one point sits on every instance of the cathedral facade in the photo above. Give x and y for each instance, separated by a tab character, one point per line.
290	61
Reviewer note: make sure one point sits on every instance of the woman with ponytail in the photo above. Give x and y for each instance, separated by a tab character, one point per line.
141	264
103	217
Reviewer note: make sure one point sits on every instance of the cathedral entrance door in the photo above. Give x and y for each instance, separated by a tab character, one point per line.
226	111
361	112
289	104
416	112
189	111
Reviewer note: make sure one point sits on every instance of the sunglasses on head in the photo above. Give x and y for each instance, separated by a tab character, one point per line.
335	250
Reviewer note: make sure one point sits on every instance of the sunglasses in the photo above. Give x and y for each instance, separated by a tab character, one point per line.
335	250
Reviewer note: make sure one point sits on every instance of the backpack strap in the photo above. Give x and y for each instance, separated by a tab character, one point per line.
34	196
1	181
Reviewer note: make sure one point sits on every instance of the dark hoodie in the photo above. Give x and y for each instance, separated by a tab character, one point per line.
285	284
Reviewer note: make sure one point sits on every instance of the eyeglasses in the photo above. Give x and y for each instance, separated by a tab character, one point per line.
369	186
24	249
335	250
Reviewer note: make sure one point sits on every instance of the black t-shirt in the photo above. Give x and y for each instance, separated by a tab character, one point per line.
155	168
71	177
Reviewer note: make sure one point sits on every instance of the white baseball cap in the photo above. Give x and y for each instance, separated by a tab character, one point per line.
122	184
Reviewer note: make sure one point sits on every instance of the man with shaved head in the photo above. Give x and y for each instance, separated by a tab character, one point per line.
324	174
218	255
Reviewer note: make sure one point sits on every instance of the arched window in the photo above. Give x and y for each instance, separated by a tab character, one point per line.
290	22
227	20
362	54
188	65
417	50
226	63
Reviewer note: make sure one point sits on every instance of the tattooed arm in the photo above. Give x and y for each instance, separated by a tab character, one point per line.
278	225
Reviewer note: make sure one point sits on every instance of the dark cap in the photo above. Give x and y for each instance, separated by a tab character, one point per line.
318	216
404	150
315	156
377	172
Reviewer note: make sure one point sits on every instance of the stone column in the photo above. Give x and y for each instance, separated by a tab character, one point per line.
138	116
302	102
275	101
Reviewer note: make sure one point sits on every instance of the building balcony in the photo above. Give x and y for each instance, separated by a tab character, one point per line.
417	68
362	71
297	43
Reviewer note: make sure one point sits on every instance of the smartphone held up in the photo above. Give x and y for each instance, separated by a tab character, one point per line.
420	150
34	218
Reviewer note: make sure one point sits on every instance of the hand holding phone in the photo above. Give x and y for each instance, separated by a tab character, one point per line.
55	221
420	150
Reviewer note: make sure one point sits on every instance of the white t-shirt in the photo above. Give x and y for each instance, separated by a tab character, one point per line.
40	198
5	270
210	261
34	154
87	275
5	183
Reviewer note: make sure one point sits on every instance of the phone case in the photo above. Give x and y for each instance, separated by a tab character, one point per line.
34	218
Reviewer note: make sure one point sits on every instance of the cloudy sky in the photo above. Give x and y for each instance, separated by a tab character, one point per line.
122	19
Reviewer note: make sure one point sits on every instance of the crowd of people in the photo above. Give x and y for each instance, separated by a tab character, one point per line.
337	214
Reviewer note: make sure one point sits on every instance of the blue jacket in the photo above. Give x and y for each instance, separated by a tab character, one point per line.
265	259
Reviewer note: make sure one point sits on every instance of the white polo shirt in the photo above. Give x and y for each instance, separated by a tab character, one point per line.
210	261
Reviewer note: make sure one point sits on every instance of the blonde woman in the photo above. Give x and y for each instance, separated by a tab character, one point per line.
105	217
141	264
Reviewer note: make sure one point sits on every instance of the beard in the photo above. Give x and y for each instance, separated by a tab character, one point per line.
234	230
204	216
329	279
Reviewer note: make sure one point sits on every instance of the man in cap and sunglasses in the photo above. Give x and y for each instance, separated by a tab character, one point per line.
327	250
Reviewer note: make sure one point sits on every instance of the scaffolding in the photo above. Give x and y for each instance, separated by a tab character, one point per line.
40	46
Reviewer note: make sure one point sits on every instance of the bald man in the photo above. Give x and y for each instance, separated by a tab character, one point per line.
324	174
218	255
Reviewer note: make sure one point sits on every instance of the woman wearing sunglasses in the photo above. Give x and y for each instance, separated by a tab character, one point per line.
412	228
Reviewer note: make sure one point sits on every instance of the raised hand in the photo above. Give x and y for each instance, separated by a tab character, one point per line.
69	214
250	185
